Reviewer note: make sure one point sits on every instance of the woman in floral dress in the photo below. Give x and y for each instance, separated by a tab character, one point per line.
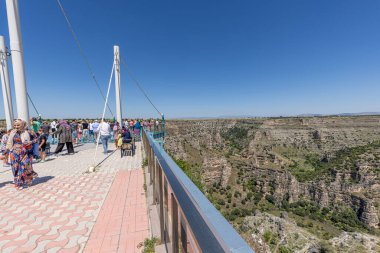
20	148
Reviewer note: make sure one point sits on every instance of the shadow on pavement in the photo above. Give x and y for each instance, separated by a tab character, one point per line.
40	180
5	183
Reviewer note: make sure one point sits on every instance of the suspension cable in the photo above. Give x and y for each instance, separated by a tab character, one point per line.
84	56
104	110
139	85
31	101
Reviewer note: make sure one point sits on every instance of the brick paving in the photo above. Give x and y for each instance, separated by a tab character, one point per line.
68	209
122	223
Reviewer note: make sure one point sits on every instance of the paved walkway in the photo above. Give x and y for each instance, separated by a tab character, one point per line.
70	210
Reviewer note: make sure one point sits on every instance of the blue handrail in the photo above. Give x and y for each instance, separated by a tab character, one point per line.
211	230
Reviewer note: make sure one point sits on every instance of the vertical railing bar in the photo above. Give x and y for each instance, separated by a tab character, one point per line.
150	167
174	224
154	176
161	189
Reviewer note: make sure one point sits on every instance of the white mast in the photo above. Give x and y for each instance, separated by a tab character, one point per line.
7	97
17	60
117	84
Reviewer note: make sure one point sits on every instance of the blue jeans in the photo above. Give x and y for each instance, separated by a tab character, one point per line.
36	153
104	139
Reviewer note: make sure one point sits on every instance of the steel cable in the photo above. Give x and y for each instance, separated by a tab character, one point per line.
84	56
139	85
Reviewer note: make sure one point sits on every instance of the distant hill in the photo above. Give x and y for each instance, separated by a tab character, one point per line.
340	114
300	115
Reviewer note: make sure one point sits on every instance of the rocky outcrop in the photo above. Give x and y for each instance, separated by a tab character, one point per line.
271	232
355	242
216	170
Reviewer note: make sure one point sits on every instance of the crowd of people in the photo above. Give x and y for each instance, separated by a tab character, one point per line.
23	144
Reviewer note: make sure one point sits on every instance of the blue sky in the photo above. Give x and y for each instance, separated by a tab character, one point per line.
204	58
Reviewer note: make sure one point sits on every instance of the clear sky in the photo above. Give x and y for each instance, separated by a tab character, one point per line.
204	58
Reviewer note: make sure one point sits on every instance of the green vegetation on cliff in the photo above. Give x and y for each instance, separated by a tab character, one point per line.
314	166
192	171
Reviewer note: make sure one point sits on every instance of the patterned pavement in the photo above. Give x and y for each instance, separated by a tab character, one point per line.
68	209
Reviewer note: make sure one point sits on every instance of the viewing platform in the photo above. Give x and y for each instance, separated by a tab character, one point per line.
126	200
68	209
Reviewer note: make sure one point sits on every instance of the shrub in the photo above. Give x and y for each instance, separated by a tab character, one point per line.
270	199
258	197
325	211
283	249
346	218
149	245
267	236
221	202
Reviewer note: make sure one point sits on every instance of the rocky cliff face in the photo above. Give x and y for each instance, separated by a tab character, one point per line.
275	154
331	161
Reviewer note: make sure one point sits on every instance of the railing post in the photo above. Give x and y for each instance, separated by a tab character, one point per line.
166	210
174	225
152	168
161	192
183	235
155	181
154	175
150	164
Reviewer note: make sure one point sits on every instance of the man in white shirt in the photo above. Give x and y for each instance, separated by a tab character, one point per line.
91	131
104	130
95	128
53	127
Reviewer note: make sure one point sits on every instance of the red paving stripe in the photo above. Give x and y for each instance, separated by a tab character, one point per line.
70	250
59	244
48	237
115	228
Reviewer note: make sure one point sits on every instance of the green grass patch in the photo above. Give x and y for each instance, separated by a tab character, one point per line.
149	245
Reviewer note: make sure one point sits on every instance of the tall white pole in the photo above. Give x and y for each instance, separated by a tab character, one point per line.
7	97
17	59
117	84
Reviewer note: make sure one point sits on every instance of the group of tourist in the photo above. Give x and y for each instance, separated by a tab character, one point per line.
20	145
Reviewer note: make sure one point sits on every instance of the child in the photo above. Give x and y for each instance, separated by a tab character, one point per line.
42	144
3	154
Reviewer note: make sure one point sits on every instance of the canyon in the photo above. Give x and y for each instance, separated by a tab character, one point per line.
318	174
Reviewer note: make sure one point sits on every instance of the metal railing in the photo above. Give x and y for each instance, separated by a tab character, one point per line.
188	220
